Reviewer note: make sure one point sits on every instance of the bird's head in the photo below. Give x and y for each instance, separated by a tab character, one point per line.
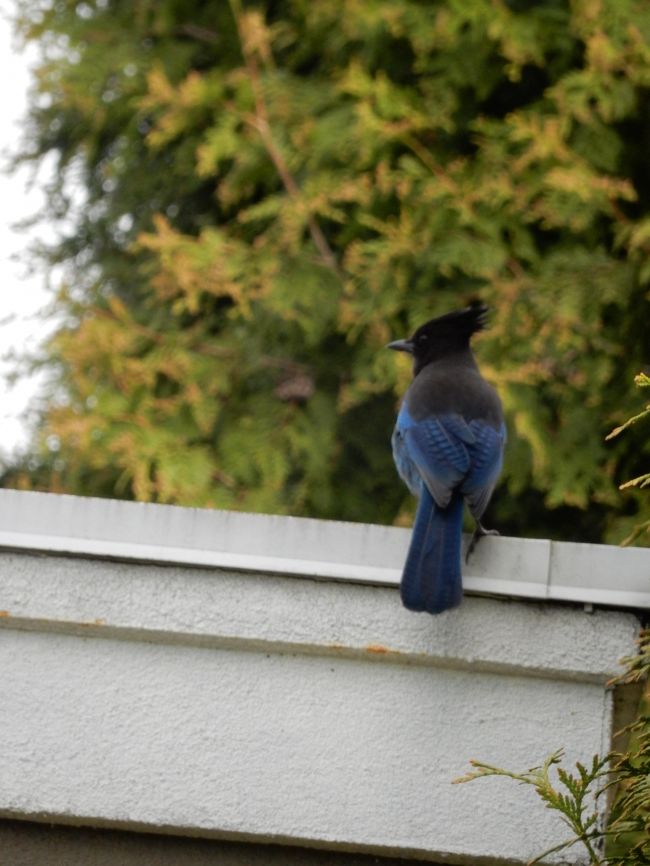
444	336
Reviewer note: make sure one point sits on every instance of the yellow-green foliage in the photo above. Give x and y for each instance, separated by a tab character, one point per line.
275	190
642	381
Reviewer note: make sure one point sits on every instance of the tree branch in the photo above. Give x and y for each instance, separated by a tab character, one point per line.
260	122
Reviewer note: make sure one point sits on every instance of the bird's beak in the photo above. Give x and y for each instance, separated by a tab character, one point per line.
401	346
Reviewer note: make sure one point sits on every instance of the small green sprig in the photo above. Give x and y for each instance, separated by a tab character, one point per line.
641	380
573	798
629	827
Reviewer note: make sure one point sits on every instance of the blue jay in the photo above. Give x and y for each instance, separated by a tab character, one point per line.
448	447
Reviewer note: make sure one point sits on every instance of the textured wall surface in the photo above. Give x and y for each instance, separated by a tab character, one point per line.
286	709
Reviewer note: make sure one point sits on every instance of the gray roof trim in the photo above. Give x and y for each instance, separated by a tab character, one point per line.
362	553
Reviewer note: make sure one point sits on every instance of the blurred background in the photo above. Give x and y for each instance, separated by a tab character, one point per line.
24	294
239	204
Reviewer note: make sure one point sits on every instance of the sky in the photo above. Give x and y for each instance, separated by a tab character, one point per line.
22	296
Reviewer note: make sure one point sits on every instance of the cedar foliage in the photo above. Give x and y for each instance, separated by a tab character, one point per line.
272	191
641	481
625	839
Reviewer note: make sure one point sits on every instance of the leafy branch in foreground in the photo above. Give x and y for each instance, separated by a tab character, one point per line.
629	828
641	381
627	834
630	821
574	803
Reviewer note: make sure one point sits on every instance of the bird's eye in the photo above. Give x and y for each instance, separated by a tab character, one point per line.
423	338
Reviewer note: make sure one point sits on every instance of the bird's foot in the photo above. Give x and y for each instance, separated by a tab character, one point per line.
479	532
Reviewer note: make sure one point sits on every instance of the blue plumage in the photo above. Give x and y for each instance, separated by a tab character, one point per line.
448	448
434	550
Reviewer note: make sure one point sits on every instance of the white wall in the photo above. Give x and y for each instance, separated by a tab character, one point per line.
228	703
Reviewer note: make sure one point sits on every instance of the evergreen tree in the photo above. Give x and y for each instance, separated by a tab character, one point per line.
272	191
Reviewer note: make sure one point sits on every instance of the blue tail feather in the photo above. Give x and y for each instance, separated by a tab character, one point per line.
431	579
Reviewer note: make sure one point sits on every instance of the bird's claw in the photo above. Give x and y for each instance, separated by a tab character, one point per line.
479	532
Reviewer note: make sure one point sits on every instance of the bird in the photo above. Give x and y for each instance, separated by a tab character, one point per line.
448	446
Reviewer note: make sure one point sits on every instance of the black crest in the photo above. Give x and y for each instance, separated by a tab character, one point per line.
444	335
462	322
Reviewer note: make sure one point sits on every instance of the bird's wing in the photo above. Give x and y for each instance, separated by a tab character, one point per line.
486	458
433	451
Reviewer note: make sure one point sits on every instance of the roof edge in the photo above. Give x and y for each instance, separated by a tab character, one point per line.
362	553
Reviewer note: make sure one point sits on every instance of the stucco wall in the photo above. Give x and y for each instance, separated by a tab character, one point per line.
273	709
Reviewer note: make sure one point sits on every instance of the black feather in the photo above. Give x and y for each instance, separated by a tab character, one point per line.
446	335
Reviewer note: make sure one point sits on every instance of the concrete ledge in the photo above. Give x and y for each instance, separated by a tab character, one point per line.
236	702
272	613
517	568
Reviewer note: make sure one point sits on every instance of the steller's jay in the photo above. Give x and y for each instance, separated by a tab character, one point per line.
448	447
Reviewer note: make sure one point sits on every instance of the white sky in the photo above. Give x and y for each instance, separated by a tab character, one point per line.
21	296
